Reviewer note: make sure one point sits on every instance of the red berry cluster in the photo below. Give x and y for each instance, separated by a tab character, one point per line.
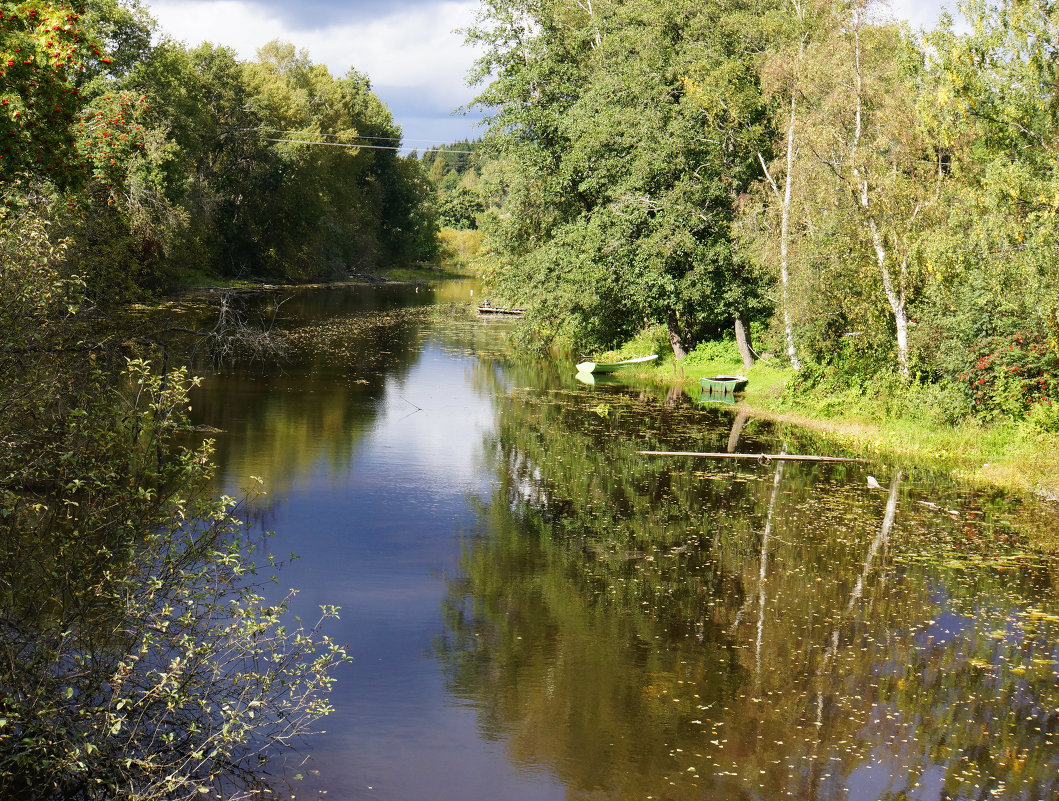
108	133
1011	371
42	48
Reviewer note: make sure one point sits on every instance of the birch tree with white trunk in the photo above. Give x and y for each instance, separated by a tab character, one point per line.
885	156
788	66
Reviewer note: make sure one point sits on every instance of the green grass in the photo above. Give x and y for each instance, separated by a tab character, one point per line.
880	420
428	273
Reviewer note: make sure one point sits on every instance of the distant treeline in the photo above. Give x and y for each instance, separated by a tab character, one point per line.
156	163
874	202
455	172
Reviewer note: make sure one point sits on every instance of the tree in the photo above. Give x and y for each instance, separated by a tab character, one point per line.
996	254
872	172
783	71
459	208
620	172
43	46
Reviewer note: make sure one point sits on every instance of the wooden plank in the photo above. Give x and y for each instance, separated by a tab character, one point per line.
761	457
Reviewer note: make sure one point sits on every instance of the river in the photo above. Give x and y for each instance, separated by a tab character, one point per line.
537	612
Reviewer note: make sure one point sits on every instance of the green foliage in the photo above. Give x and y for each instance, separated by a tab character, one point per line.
833	391
454	173
447	164
205	163
1009	374
142	659
651	339
34	296
1044	416
132	615
109	134
460	248
42	47
618	172
920	221
459	208
718	350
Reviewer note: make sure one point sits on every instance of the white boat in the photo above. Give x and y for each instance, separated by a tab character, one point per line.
610	367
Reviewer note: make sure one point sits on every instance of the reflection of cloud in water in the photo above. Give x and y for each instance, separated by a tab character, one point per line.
430	430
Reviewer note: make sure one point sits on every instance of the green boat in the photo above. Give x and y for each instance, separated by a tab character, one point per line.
723	384
715	398
610	367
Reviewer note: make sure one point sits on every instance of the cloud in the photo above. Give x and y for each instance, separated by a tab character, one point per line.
921	13
411	54
408	48
310	14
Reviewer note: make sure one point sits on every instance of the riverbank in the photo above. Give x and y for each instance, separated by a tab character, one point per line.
905	426
393	275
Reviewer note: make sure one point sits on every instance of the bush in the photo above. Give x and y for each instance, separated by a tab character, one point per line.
144	661
718	350
828	390
1044	416
1009	373
460	248
652	339
941	403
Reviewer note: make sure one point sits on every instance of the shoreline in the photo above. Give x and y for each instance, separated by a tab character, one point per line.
398	275
1007	456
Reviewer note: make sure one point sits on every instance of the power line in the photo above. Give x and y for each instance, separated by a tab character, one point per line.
362	136
347	136
365	147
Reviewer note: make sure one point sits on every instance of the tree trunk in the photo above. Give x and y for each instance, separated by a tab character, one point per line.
737	429
742	339
895	297
784	201
675	336
762	575
785	224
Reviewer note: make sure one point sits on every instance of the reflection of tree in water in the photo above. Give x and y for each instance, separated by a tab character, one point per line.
689	630
341	348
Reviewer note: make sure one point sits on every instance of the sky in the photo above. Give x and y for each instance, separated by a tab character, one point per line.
410	49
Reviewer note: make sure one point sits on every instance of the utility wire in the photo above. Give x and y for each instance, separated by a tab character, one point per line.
366	147
345	136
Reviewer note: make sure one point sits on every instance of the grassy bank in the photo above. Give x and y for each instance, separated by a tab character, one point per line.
412	275
879	421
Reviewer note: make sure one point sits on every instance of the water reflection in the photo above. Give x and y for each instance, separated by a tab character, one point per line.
702	630
343	351
538	612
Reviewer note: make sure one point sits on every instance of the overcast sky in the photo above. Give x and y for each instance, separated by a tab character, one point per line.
416	61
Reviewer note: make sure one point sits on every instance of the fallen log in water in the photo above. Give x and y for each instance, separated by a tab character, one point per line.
764	458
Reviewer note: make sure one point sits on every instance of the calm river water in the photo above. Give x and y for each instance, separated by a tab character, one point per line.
536	612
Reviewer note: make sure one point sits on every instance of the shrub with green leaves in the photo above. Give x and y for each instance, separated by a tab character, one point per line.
142	658
140	655
1008	373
